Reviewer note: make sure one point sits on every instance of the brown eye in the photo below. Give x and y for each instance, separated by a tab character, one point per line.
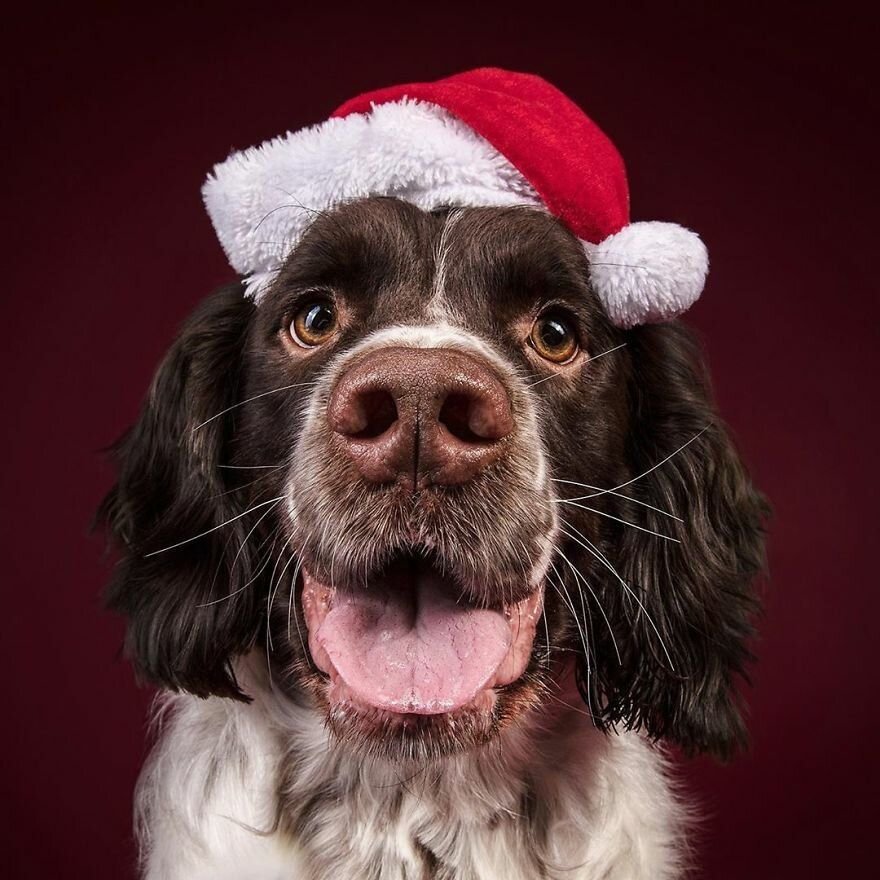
554	338
314	323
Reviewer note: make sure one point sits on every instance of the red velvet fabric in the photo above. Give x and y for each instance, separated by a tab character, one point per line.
572	164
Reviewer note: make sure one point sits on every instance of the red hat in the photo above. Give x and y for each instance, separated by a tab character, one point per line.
484	137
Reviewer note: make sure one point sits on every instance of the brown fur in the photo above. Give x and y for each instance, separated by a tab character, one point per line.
679	612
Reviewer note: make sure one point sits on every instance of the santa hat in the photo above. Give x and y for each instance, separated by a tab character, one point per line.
484	137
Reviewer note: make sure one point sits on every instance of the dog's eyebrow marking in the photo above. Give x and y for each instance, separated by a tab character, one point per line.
435	305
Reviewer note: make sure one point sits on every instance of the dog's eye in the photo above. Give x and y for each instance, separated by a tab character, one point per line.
554	338
314	323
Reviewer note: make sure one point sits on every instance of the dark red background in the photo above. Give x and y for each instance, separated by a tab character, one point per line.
748	126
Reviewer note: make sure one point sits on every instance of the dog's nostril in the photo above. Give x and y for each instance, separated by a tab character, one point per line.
377	412
482	417
457	415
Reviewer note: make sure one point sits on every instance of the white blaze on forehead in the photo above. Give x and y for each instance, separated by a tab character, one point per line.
438	306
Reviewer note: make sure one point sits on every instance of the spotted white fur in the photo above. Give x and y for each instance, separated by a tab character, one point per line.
210	796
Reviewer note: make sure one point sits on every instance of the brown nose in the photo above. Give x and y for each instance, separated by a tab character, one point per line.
420	415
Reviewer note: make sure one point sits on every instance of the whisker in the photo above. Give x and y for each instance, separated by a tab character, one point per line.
290	609
330	215
591	548
593	358
333	558
526	580
275	567
267	559
580	576
252	530
569	706
214	529
243	486
255	467
596	357
621	265
235	562
616	518
651	469
275	210
566	598
546	633
602	491
250	399
264	564
270	599
222	561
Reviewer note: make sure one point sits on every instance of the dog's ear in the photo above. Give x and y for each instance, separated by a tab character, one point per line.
684	627
182	631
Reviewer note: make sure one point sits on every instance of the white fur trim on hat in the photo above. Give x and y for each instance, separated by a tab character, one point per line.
648	272
261	200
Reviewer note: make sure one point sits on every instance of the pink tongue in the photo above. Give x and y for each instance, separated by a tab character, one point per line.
408	647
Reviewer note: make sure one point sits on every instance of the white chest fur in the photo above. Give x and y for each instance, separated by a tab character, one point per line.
227	783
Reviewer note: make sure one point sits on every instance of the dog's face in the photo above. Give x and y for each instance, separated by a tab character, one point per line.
431	479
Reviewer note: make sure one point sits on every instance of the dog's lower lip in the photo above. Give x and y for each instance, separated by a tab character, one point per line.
406	644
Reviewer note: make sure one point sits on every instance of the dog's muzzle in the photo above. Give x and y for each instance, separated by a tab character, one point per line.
424	454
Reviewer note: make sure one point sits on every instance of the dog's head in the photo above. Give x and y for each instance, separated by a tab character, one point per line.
430	479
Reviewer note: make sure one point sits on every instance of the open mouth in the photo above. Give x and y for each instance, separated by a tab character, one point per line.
407	643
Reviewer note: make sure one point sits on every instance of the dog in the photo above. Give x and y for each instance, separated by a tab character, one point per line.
430	559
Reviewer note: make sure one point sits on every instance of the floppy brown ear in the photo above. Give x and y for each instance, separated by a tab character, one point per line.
169	489
686	644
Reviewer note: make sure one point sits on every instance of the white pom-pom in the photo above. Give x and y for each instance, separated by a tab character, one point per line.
648	272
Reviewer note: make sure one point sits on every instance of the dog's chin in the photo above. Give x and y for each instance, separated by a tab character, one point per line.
409	668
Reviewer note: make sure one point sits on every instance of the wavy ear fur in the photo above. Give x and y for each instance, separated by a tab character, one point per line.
170	489
698	592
